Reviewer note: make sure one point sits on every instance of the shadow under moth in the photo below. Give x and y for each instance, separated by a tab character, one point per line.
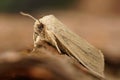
51	30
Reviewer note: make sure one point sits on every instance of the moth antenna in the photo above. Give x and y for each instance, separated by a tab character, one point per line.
26	14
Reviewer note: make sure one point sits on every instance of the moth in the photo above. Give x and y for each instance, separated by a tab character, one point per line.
51	30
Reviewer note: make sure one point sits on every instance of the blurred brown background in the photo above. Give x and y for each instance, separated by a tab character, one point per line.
97	21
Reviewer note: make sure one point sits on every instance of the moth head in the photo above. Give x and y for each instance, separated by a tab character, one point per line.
38	26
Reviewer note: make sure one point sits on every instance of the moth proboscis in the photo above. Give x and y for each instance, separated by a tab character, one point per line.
50	29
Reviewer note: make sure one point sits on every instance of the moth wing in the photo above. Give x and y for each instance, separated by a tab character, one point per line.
76	46
81	50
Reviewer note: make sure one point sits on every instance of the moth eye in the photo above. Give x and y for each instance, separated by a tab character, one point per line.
40	26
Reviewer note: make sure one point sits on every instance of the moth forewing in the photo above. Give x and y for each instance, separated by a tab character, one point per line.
74	45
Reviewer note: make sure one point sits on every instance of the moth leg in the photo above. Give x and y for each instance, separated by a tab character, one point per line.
52	40
55	44
33	50
57	47
36	39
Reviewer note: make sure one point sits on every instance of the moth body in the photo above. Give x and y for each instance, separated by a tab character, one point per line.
51	30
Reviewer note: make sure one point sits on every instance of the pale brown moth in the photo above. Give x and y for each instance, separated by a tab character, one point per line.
50	29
